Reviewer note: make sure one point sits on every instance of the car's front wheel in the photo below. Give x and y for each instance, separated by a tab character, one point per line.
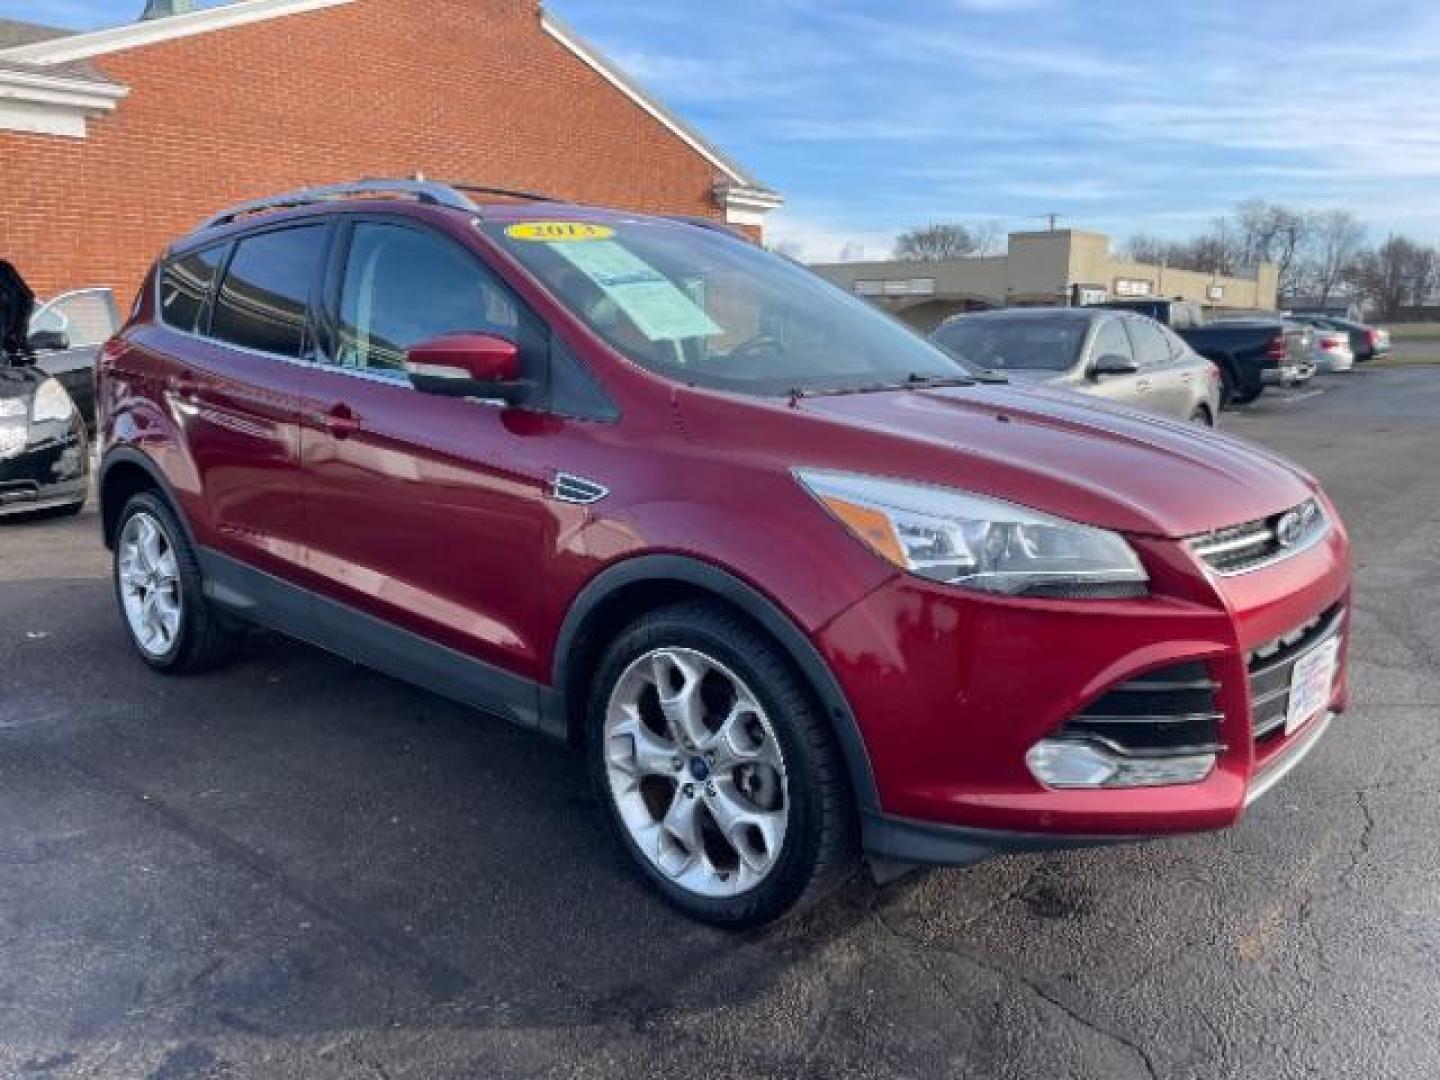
719	775
159	590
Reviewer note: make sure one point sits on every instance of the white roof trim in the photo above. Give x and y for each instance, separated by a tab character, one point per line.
612	74
42	104
153	31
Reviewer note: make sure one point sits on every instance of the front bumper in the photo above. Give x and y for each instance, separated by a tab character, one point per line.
951	690
52	471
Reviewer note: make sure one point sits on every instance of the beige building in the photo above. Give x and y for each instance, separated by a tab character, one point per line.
1063	266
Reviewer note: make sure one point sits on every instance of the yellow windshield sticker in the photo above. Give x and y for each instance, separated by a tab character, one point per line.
558	232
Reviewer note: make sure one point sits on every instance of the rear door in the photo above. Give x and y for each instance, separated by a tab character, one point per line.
1161	385
242	387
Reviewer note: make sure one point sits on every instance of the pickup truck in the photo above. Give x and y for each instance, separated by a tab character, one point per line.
1251	353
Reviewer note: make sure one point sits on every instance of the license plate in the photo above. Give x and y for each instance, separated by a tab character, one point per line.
1311	681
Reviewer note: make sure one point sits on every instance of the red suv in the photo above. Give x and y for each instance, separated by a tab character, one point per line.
799	584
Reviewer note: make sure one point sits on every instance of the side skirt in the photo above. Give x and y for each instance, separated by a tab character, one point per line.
262	598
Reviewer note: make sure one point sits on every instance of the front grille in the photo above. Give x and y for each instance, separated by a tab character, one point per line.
16	491
1163	713
1270	667
1238	548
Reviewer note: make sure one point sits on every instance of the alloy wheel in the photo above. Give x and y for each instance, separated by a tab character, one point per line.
149	584
696	772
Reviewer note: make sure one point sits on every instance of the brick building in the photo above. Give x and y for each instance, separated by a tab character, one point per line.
115	141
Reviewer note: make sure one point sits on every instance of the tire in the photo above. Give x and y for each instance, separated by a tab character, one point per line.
190	634
1227	387
790	779
1202	416
71	510
1244	397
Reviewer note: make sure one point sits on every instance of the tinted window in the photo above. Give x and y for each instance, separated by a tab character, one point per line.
1151	349
185	287
263	300
403	287
1006	344
1111	340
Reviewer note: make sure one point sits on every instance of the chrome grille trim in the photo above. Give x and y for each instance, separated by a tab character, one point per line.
1253	545
1273	663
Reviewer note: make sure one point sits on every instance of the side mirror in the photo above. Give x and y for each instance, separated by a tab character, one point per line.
467	365
49	341
1113	364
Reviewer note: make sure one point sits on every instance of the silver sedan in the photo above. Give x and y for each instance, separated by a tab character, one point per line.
1118	355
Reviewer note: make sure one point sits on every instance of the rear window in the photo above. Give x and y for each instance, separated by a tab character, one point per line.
264	300
185	283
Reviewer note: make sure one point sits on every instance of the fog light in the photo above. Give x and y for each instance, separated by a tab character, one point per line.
13	437
1071	763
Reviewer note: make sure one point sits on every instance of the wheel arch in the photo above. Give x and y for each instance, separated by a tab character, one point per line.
124	472
616	595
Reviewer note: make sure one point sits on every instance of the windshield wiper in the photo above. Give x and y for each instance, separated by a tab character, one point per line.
927	382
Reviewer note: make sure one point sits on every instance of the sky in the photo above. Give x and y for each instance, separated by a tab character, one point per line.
1124	116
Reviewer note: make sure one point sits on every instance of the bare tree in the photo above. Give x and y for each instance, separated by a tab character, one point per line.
1399	273
932	243
989	237
1338	238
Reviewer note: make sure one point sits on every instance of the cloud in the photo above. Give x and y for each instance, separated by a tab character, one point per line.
817	241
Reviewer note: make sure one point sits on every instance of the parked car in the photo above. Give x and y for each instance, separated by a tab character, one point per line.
1251	353
1366	342
1116	355
796	586
1331	350
66	333
44	458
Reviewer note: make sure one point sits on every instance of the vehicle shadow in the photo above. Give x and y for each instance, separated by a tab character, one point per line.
297	844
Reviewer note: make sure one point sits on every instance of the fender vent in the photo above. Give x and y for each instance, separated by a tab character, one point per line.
569	488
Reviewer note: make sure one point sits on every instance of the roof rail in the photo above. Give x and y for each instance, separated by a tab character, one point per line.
509	193
425	191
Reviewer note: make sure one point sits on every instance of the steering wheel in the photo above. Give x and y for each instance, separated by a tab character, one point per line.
759	347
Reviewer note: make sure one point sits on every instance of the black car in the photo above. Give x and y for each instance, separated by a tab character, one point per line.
65	336
44	452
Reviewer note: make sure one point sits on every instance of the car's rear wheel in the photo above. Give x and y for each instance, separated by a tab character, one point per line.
159	590
1202	416
719	775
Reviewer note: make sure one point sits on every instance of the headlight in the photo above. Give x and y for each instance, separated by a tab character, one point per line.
51	403
979	542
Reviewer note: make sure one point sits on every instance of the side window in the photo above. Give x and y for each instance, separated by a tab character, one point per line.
185	286
1110	340
403	286
1178	349
265	296
1151	349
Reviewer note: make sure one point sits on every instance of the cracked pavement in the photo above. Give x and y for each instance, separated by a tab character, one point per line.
298	868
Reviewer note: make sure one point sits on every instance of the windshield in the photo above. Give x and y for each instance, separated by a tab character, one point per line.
1048	344
707	309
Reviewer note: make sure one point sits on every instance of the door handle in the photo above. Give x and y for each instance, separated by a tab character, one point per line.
340	420
183	387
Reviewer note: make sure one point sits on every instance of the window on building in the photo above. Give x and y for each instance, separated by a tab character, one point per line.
264	299
403	287
185	287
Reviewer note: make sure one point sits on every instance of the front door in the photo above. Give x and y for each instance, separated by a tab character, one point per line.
1112	341
427	513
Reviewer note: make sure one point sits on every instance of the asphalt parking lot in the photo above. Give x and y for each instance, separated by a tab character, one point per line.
297	868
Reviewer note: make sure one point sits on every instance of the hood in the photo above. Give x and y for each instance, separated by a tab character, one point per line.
1058	452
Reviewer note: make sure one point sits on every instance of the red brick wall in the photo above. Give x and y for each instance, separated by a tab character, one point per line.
463	89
